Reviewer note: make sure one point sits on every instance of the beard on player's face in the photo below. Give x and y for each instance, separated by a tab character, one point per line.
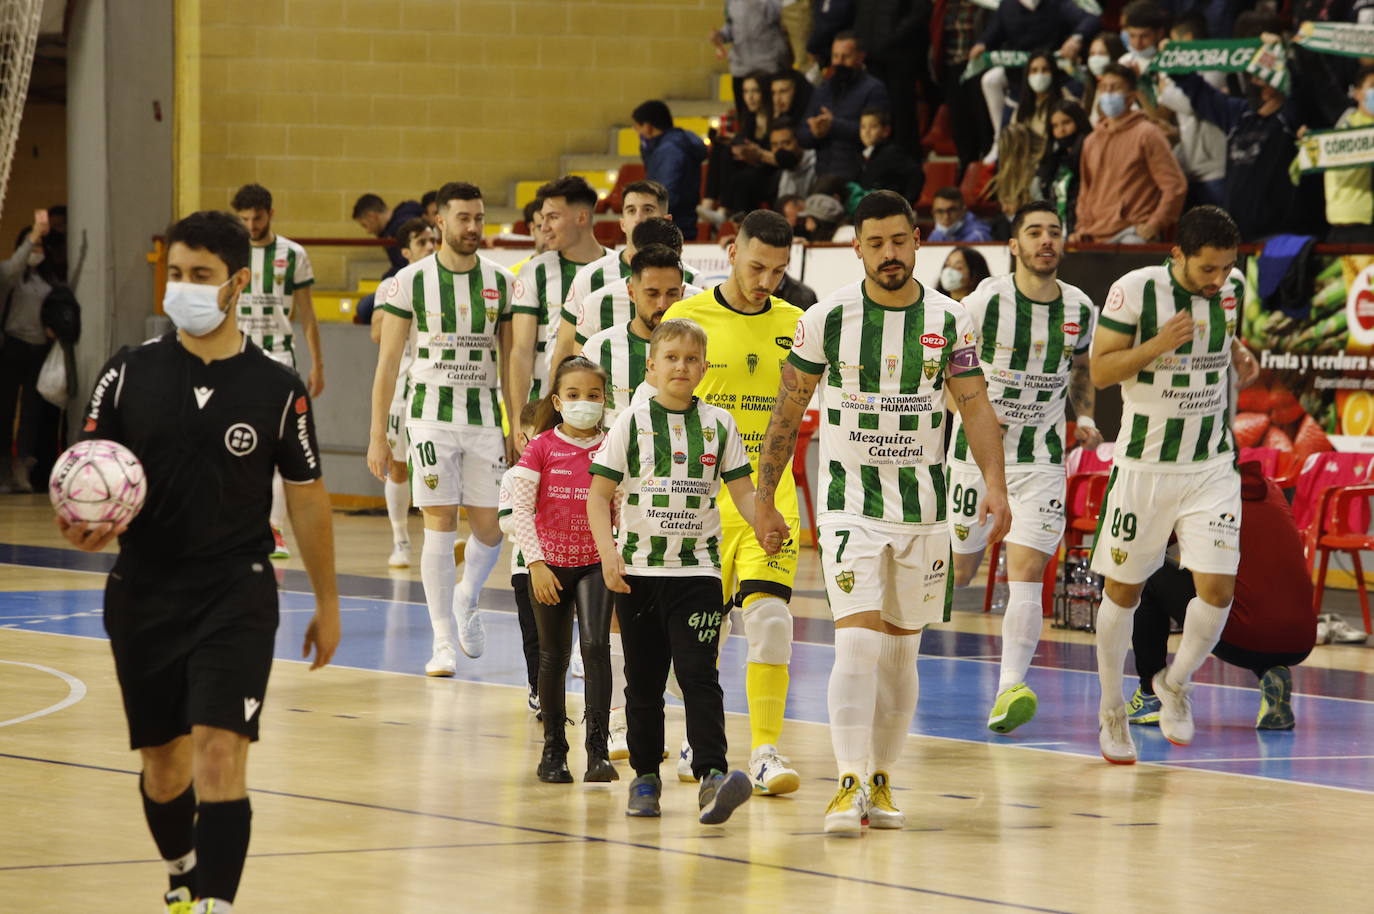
890	274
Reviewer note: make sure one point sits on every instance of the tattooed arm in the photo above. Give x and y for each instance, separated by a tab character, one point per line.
779	443
984	434
1083	396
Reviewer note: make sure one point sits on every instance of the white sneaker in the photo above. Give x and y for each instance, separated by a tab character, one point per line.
575	663
400	556
618	744
845	814
770	773
1114	737
882	812
444	662
1175	709
684	764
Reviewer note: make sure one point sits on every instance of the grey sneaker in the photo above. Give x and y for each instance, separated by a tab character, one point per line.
721	794
644	793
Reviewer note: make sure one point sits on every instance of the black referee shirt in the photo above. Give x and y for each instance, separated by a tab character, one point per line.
209	437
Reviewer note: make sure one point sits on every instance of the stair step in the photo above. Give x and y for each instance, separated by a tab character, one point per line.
696	107
625	142
594	162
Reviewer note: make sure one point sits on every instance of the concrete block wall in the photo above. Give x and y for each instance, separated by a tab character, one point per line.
322	100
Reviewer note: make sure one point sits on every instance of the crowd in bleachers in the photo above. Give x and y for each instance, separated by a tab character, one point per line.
991	107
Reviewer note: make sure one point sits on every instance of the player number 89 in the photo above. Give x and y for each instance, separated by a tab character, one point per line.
1123	525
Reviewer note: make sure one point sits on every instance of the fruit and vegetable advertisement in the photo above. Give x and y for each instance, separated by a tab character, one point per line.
1316	354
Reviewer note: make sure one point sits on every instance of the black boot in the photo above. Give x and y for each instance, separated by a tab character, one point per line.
599	767
553	765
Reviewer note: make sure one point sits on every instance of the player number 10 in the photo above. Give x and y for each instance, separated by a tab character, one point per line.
426	452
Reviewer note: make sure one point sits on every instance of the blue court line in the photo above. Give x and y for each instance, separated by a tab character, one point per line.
554	833
1327	749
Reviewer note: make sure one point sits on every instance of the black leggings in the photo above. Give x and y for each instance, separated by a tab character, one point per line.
1166	597
585	590
529	629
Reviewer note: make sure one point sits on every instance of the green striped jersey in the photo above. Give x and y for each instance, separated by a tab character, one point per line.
540	289
265	304
402	392
600	299
882	399
503	511
623	354
454	378
670	465
1026	349
1176	412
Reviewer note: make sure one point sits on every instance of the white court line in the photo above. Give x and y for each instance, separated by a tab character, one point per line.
76	690
1271	758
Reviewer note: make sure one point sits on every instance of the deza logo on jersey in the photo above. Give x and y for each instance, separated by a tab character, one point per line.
934	341
1072	329
303	432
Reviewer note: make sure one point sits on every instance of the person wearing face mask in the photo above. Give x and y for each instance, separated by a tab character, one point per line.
964	269
953	221
1057	174
191	603
1044	86
25	281
1349	197
1261	140
1146	25
831	125
1105	48
548	490
1132	188
796	166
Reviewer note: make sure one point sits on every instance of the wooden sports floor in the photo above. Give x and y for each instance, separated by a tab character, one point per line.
376	789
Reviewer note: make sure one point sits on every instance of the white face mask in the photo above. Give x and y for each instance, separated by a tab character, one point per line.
1030	4
1144	53
581	414
194	307
1097	63
1039	82
952	279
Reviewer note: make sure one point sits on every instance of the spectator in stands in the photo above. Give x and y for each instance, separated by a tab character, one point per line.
821	216
964	269
791	207
1044	86
1025	26
25	281
374	217
796	167
1105	49
886	164
1261	141
796	23
430	204
1057	175
1201	145
1131	189
795	293
741	173
963	21
828	19
1349	196
1146	25
893	36
832	119
673	158
953	222
1019	151
758	44
791	93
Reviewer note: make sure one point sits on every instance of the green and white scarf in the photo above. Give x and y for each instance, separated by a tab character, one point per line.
1336	38
1228	55
1350	147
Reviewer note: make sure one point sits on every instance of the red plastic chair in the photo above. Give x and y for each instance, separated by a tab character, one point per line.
1327	470
938	175
1082	460
810	422
1343	524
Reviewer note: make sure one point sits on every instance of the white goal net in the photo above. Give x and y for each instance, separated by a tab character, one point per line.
19	21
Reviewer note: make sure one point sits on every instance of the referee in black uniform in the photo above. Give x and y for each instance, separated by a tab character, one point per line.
191	604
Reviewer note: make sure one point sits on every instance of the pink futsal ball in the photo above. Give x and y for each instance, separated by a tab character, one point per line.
97	481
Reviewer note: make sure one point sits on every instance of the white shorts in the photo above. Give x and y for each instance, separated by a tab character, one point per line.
396	432
1143	507
461	465
1036	498
905	576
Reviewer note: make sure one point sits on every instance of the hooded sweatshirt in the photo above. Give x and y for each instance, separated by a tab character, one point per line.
1128	176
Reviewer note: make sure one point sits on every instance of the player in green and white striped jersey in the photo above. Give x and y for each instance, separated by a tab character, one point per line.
449	306
598	300
277	292
623	350
884	350
1167	336
1034	332
545	280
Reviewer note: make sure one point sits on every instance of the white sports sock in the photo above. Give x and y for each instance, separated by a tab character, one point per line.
397	507
1114	624
1202	625
278	500
478	561
898	689
439	575
1020	632
617	671
851	696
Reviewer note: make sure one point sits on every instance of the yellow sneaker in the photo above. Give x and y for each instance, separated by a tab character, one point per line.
1013	708
882	812
845	814
179	901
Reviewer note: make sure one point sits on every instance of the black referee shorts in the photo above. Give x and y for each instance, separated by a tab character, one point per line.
192	645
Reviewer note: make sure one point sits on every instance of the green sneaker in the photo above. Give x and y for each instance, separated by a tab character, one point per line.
1014	707
1143	708
1276	700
